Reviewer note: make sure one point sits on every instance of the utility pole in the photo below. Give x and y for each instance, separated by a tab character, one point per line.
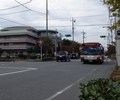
55	42
60	40
73	21
83	36
111	31
47	17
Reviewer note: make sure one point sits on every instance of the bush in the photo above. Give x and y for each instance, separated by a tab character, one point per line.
46	58
100	89
32	56
21	56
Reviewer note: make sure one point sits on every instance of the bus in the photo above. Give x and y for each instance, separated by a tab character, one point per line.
91	52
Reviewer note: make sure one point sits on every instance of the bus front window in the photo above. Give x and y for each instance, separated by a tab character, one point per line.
90	51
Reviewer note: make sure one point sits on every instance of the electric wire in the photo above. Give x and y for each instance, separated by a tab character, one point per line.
12	21
29	8
64	8
22	5
14	12
60	10
15	6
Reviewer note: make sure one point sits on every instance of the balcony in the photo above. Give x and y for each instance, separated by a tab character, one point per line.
18	40
14	47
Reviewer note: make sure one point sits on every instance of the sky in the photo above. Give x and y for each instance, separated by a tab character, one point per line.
90	16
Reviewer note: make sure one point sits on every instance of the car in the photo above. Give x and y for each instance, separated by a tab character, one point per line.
63	55
74	56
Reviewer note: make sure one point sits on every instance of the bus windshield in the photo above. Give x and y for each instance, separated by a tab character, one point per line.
91	51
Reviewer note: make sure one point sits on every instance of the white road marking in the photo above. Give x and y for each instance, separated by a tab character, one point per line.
19	68
16	72
68	87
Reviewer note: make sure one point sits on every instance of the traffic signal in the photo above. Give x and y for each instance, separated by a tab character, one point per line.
103	36
68	35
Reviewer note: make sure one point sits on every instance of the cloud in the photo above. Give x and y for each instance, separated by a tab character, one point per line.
90	16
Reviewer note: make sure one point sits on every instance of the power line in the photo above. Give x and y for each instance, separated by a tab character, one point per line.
64	7
15	6
13	12
60	11
28	8
22	5
79	17
80	25
12	21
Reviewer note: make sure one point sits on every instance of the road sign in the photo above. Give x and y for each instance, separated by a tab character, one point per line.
40	43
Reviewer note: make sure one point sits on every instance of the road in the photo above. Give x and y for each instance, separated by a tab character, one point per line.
47	80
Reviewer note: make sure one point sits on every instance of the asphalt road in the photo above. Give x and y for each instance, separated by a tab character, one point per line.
47	80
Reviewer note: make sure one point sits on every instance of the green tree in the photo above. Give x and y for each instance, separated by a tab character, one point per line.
1	51
36	48
110	50
115	9
47	45
66	42
70	46
30	50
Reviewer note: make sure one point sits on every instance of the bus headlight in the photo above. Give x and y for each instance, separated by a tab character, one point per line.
100	58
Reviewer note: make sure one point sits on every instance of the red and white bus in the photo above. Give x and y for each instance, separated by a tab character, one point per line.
92	52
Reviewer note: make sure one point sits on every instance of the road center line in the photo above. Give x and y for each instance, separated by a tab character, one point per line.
68	87
16	72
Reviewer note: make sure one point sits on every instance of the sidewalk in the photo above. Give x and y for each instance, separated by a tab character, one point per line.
108	72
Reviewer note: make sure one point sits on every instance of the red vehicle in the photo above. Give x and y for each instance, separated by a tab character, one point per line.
91	52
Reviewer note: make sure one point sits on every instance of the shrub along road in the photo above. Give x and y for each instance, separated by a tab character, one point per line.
47	80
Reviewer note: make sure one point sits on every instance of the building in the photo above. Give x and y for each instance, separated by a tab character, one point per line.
17	39
53	35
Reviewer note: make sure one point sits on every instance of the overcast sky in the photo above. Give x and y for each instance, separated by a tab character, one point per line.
90	16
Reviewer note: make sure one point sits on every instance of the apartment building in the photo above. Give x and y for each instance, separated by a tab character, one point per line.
52	34
17	39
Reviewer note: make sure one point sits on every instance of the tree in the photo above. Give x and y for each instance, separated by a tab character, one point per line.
115	9
70	46
1	51
111	50
30	50
66	42
47	45
36	48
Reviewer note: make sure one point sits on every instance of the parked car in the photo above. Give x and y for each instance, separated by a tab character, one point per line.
63	55
74	56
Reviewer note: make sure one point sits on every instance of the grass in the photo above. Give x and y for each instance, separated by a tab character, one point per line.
115	73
